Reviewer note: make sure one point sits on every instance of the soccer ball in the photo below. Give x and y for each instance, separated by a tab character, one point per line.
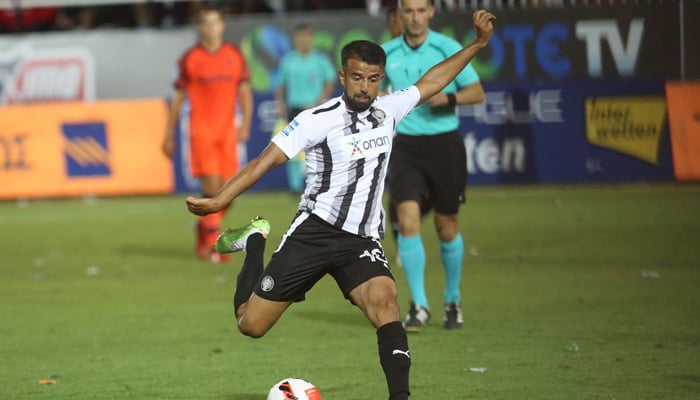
293	389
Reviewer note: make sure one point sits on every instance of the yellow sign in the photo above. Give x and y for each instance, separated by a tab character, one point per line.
630	125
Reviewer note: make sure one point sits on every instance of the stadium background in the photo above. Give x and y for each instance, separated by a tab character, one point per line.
574	94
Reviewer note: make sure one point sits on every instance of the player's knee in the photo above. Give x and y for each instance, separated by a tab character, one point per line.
252	330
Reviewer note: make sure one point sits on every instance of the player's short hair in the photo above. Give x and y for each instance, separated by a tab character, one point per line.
302	27
209	7
364	50
399	3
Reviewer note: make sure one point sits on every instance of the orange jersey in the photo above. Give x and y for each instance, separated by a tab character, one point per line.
211	81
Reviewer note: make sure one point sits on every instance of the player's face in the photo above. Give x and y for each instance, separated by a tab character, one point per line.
303	40
361	83
416	15
211	26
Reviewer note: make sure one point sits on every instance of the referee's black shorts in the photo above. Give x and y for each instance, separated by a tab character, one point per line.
312	248
432	165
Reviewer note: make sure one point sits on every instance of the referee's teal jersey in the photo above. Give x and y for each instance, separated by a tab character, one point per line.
404	66
304	77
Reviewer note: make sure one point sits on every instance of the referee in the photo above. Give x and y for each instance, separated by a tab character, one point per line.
337	228
428	166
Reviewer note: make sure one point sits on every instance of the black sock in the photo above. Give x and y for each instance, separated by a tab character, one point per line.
251	271
395	359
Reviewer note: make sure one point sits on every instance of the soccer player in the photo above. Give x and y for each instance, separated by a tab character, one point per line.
214	76
429	160
339	223
307	78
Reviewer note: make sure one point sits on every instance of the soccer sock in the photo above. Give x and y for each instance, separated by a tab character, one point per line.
251	271
452	254
412	255
395	359
211	224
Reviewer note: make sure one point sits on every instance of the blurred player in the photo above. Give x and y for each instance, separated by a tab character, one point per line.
307	78
429	158
214	76
340	220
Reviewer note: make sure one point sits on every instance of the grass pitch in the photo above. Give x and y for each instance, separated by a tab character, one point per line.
574	292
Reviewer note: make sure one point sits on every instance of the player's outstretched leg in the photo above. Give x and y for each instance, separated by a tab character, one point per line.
251	239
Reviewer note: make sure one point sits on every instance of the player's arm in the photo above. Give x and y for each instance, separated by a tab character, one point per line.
443	73
173	118
280	94
270	158
245	99
470	94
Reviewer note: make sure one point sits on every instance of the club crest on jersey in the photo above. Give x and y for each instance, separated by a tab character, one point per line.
379	115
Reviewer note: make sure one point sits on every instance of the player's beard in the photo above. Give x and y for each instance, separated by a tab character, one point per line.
357	105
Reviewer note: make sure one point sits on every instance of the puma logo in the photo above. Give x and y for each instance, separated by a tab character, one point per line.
397	351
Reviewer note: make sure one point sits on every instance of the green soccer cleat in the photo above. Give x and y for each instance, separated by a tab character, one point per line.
234	239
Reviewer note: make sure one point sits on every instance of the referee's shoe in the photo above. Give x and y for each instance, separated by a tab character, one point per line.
234	239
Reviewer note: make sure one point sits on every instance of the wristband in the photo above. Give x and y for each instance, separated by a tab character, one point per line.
451	99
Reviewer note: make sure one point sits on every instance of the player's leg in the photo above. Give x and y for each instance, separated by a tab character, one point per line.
448	179
363	274
407	185
205	162
377	299
263	295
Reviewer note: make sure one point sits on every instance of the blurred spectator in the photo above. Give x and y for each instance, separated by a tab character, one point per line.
27	20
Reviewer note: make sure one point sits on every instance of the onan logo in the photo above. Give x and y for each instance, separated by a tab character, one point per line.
375	143
86	150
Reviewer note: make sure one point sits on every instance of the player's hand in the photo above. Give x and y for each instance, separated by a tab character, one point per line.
439	100
483	24
169	146
201	206
243	135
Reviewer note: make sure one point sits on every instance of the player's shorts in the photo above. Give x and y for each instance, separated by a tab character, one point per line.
432	164
213	154
312	248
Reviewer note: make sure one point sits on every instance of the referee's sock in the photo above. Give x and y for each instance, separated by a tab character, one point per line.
452	254
395	359
251	270
412	255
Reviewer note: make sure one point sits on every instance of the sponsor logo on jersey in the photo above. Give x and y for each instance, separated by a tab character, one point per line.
290	128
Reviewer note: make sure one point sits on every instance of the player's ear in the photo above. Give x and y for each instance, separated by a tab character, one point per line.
341	77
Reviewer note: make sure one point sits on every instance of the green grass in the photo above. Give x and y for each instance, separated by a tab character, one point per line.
574	292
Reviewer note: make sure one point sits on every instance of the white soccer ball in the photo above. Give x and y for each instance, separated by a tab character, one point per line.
293	389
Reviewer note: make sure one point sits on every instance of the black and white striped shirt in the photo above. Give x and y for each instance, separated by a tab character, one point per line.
347	155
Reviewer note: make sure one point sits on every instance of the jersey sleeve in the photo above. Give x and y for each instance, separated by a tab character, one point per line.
401	102
245	72
298	135
183	77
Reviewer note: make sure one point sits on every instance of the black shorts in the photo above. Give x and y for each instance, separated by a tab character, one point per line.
312	248
432	167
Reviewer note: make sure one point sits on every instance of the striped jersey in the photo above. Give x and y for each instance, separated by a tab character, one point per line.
347	154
